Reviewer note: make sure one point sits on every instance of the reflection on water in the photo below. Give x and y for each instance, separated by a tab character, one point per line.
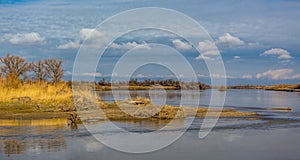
36	146
40	122
18	136
31	127
150	125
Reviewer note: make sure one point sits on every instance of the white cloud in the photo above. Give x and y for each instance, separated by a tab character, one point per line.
247	76
130	45
201	76
93	36
93	146
229	40
207	50
278	74
70	45
97	74
24	38
281	53
181	45
203	57
296	76
87	33
140	76
221	76
215	76
236	57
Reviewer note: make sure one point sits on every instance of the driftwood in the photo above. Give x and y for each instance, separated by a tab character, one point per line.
73	119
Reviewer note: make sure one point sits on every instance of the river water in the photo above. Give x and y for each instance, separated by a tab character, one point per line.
272	135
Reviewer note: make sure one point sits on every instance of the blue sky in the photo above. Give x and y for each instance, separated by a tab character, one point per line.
258	40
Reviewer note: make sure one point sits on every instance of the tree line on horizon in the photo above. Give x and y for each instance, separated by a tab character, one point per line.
16	69
150	82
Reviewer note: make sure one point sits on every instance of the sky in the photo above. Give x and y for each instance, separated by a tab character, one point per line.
258	40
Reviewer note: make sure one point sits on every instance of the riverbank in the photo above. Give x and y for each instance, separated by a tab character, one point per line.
279	87
46	100
113	111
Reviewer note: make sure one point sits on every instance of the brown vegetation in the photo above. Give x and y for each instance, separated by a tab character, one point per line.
15	70
284	87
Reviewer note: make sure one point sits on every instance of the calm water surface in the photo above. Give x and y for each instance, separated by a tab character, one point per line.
275	135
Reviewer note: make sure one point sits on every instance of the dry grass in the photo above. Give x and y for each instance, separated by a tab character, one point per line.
39	122
283	86
41	95
141	101
46	96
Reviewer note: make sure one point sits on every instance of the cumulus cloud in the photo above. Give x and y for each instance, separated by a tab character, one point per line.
24	38
229	40
181	45
93	36
87	33
280	53
207	49
130	45
278	74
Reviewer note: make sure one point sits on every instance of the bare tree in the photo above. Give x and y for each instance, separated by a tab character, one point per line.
14	65
39	70
53	69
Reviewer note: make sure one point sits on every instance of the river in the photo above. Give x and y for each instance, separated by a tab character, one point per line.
272	135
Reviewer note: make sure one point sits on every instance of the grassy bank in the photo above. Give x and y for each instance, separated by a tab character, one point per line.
284	87
41	96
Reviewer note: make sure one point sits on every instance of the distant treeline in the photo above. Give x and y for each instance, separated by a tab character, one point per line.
176	84
244	87
270	87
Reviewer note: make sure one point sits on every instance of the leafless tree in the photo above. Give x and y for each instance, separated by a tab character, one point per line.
14	65
53	69
39	70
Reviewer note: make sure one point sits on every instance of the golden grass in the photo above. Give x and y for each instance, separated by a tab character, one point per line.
40	94
283	86
141	101
40	122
